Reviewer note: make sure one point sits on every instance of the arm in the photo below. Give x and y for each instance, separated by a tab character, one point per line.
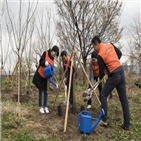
119	53
42	59
64	71
91	76
101	67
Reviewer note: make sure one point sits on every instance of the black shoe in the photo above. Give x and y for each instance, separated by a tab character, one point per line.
122	126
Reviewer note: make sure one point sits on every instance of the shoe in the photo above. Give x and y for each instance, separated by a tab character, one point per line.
102	123
42	110
122	126
46	110
89	106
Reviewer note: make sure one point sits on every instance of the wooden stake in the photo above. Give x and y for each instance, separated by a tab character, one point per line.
86	76
9	79
61	82
66	117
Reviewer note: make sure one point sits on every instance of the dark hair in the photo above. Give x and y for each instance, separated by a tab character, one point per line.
94	54
56	49
63	53
96	40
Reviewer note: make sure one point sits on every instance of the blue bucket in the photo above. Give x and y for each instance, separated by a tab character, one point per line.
49	71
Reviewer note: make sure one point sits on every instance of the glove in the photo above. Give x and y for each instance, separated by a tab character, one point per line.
65	80
65	88
46	63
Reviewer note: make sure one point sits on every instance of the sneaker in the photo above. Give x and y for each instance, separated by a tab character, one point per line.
122	126
42	110
102	123
46	110
89	106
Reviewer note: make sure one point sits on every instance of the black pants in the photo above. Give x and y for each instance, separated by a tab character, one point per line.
99	88
71	89
117	81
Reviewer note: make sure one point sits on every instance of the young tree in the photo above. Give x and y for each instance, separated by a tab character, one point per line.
134	44
17	28
44	37
87	19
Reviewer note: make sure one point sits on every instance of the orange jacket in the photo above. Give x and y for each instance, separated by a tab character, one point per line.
41	68
95	69
66	64
109	56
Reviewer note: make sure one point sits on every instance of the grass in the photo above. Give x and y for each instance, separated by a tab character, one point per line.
9	125
4	82
135	127
114	112
24	136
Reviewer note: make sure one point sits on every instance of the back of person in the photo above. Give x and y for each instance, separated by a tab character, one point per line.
109	56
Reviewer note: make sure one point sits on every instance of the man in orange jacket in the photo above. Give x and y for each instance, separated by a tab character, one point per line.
65	59
108	58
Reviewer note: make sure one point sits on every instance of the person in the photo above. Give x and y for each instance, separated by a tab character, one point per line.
65	59
108	58
93	75
39	78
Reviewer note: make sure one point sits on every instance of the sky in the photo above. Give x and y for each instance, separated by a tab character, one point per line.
132	8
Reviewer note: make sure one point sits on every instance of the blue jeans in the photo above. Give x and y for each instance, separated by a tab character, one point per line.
40	98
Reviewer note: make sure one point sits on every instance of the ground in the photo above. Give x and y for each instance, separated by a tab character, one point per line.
24	122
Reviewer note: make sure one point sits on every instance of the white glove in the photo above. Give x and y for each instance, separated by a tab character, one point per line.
65	80
46	63
65	88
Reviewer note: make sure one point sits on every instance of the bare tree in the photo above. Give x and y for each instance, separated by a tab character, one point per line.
44	38
87	19
134	44
17	28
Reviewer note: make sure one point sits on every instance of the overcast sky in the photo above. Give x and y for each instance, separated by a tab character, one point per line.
132	8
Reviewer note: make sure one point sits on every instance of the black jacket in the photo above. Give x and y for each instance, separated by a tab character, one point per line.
38	81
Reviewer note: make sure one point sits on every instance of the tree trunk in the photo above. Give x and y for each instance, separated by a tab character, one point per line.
19	81
29	76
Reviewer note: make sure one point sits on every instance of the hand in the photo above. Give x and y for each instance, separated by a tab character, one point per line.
46	63
92	92
50	80
65	80
65	88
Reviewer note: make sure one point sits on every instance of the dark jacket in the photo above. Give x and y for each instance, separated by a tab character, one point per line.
38	81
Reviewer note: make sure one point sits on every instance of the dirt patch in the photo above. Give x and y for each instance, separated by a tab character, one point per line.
52	125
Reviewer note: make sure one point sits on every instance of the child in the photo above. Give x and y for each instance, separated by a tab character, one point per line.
39	79
65	59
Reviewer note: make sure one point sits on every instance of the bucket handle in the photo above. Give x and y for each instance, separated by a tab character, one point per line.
50	64
89	113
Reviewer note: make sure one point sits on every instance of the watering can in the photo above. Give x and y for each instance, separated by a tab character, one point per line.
86	119
49	72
